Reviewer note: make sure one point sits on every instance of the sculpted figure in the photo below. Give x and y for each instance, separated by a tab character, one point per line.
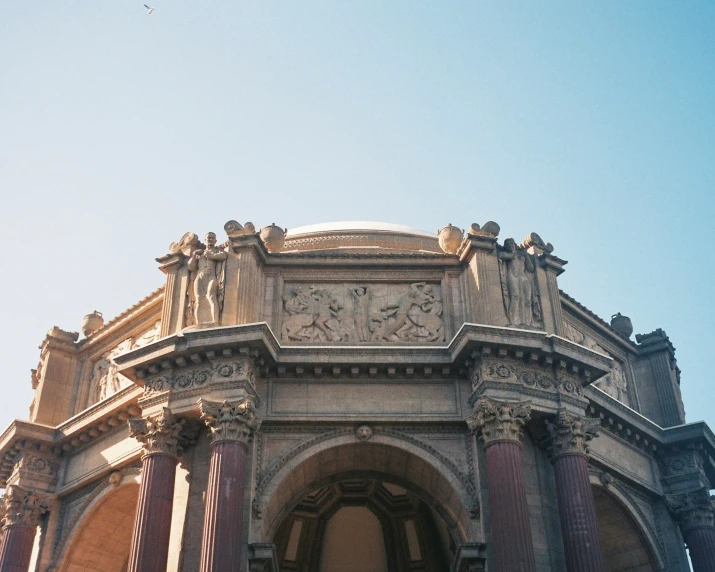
361	312
518	275
300	315
427	316
326	305
417	315
106	380
207	268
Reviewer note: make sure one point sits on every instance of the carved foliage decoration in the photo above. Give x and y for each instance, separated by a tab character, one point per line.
362	313
236	370
543	379
499	421
159	433
23	508
570	434
230	421
693	510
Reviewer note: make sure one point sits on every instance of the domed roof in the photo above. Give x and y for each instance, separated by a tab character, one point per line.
357	225
357	236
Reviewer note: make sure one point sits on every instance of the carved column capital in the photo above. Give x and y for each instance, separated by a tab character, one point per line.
159	433
21	507
570	434
693	510
230	421
499	421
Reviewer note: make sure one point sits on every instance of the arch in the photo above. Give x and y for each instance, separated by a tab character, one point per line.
402	460
98	538
623	529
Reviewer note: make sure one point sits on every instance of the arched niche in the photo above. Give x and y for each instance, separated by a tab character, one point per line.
434	479
627	545
101	539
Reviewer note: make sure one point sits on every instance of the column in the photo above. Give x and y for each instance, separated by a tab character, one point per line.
500	425
160	435
694	512
567	447
22	511
231	425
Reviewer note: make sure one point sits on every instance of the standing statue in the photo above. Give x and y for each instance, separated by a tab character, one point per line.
207	267
519	287
361	312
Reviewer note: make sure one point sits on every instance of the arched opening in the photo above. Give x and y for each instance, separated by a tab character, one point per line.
624	546
363	525
102	542
398	508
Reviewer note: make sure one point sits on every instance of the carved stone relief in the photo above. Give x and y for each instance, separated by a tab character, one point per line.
106	380
615	384
578	337
529	377
362	313
207	265
520	289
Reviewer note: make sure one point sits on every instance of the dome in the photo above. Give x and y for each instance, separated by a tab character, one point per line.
363	236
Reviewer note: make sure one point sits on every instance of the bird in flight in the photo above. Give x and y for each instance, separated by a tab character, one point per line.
149	8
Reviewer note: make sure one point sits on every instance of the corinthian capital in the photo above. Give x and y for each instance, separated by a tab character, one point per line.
693	510
230	421
160	433
570	434
23	508
499	421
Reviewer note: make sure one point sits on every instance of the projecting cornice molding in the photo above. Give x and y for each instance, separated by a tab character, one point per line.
257	341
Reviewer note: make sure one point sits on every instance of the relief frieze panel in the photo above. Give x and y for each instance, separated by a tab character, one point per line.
526	376
362	312
105	379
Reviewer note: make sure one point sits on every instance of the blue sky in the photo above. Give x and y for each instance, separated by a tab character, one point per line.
590	123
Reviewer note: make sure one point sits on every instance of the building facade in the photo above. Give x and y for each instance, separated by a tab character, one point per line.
357	398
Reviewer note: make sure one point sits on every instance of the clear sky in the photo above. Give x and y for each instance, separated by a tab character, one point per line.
589	122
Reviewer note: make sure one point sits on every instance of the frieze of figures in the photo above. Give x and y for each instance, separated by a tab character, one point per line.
360	312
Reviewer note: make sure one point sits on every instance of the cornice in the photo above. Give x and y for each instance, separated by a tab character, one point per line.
194	347
145	305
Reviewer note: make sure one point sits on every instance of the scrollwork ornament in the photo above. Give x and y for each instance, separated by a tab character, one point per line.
692	510
230	421
159	433
570	434
499	421
21	507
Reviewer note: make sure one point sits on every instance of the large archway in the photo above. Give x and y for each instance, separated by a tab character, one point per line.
624	545
103	539
422	501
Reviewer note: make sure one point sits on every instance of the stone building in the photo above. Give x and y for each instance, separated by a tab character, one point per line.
357	398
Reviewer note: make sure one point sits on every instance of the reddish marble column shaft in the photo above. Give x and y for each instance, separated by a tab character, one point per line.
577	512
701	544
16	549
511	529
150	542
223	520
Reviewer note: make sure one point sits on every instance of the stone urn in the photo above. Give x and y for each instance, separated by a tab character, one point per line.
450	237
622	324
273	237
92	322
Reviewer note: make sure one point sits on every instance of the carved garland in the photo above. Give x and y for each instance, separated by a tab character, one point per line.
531	378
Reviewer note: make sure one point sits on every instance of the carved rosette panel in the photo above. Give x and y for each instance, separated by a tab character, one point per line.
21	507
528	377
499	421
160	433
570	434
237	371
362	312
682	465
35	466
693	510
230	421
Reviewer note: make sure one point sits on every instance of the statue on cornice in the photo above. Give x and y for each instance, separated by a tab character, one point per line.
520	291
207	267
